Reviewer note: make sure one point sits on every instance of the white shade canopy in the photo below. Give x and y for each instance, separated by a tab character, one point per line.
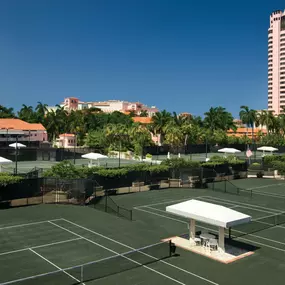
16	145
209	213
93	155
4	160
228	150
267	148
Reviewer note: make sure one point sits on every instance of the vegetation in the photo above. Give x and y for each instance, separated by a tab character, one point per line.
113	131
6	179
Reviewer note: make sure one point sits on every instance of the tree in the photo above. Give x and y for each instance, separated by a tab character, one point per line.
6	113
41	110
266	118
248	117
27	114
96	139
159	122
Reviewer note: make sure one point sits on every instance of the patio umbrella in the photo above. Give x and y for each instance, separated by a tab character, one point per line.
228	150
267	148
4	160
17	145
93	156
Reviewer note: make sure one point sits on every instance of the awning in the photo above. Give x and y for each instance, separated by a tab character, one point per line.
209	213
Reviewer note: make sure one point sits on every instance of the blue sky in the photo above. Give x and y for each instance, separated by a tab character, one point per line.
180	55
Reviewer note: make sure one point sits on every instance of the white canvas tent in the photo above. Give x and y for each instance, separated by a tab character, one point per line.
208	213
93	156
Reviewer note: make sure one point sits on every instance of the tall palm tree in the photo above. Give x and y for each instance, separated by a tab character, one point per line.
159	121
143	113
41	110
27	114
266	118
248	117
6	112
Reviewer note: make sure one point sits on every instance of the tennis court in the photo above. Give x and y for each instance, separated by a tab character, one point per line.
75	243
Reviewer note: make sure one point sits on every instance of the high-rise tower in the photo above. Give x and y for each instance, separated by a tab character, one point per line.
276	62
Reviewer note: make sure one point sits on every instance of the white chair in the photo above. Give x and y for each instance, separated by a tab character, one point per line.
213	244
197	241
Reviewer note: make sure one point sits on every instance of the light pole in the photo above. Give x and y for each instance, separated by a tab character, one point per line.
16	155
75	144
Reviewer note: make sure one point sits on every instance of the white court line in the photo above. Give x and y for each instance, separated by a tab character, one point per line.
269	194
265	186
38	246
48	261
28	224
108	249
132	248
169	201
237	204
241	203
271	240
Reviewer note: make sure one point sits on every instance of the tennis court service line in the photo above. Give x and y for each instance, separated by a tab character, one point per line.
28	224
256	236
113	251
132	248
266	186
39	246
48	261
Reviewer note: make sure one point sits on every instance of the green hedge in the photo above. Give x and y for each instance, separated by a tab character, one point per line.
7	179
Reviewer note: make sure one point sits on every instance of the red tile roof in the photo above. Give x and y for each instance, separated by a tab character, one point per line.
142	120
17	124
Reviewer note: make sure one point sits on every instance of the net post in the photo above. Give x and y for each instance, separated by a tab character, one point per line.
225	185
169	245
118	210
81	273
238	191
106	202
131	215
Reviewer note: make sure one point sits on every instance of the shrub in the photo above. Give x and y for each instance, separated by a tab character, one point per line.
148	155
176	163
6	179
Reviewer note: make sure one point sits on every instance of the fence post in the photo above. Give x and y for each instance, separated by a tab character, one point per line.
106	202
225	185
81	274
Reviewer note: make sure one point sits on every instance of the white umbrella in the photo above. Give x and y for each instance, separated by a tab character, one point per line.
93	156
16	145
228	150
4	160
267	148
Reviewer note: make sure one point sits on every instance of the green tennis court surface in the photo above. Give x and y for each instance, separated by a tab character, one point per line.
44	239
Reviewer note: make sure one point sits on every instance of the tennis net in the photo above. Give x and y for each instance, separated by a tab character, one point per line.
259	224
101	268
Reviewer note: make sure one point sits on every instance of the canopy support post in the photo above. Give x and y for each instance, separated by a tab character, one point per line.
192	231
221	239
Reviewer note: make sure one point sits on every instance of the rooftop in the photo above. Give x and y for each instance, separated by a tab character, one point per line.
17	124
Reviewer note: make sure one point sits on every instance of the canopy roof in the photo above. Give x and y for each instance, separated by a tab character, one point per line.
267	148
228	150
4	160
209	213
93	155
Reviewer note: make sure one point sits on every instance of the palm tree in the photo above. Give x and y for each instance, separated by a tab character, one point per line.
266	118
159	122
6	112
27	114
248	117
41	110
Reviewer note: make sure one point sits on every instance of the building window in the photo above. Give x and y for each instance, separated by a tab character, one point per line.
269	74
270	83
282	68
282	87
270	69
270	60
269	93
269	88
269	65
283	23
270	32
